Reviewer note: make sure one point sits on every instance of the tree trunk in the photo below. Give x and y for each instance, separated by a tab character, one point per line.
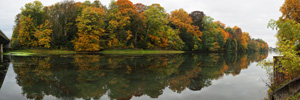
147	32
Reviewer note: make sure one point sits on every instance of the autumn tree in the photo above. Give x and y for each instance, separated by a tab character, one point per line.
15	36
128	11
42	34
245	39
91	26
237	35
140	7
90	29
62	17
156	19
253	46
212	39
290	10
197	17
26	32
35	10
98	4
182	21
287	28
31	16
116	25
221	30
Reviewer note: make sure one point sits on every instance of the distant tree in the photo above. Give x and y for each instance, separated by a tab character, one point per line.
237	34
245	40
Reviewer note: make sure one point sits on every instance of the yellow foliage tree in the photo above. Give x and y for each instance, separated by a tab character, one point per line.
290	10
90	29
245	40
26	32
43	33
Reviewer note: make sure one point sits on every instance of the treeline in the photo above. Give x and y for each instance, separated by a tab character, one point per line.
91	26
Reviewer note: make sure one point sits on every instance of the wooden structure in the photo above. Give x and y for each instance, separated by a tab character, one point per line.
287	90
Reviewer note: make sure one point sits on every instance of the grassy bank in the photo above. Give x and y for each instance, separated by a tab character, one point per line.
141	52
37	52
57	52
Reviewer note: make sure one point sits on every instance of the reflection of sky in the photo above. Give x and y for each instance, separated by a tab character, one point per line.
251	15
10	89
248	85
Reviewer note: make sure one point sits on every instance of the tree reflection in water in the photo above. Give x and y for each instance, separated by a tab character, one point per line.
123	76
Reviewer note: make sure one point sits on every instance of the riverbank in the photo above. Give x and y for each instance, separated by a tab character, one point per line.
141	51
55	52
36	51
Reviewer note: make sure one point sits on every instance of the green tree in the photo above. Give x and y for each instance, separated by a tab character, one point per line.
62	18
288	39
35	10
156	19
212	39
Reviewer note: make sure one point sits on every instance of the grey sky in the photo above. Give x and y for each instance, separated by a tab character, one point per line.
251	15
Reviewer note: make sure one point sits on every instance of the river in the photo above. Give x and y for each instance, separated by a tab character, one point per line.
188	76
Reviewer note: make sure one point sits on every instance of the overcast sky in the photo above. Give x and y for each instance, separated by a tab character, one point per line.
251	15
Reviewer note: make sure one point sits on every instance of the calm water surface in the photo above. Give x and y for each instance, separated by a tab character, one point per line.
213	76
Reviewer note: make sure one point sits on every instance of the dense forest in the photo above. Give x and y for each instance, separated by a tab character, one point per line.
91	26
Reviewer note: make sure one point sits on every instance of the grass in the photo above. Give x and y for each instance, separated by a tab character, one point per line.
295	97
58	52
141	52
37	52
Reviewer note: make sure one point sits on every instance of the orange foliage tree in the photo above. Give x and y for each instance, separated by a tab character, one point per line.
129	12
290	10
245	40
182	20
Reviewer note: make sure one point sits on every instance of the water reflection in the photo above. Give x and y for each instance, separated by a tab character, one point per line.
4	63
122	77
